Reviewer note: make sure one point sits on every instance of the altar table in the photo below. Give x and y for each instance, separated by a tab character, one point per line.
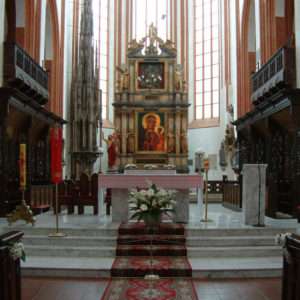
120	183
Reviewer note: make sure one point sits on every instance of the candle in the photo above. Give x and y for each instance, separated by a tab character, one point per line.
22	165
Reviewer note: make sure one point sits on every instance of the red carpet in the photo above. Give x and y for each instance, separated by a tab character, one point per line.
165	266
134	248
139	289
133	261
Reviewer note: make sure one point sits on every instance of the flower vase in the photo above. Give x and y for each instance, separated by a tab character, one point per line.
152	219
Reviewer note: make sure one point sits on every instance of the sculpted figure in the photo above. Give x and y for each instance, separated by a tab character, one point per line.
130	142
118	141
183	142
152	33
124	78
133	44
111	150
177	79
170	45
171	141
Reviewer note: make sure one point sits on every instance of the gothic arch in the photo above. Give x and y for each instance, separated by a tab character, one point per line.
244	104
54	63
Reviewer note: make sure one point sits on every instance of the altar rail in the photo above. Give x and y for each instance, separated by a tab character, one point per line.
291	269
10	271
232	195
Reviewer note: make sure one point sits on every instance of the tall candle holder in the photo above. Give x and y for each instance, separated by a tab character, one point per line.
151	276
206	168
22	211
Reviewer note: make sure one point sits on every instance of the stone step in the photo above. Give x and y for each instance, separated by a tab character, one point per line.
212	252
251	231
69	251
222	241
76	267
73	241
99	267
232	267
45	231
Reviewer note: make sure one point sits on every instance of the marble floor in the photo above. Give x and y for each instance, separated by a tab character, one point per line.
222	218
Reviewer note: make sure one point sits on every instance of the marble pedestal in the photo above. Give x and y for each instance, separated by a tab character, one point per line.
120	208
254	193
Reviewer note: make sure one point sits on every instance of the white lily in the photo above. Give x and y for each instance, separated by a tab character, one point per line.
143	207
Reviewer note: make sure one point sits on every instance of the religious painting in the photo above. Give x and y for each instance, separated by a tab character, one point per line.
151	75
151	132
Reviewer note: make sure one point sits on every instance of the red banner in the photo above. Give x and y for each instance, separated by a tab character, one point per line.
56	169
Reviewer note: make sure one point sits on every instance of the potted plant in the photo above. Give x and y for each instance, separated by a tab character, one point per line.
149	204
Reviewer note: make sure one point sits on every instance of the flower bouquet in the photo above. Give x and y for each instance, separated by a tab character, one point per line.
130	166
149	204
16	250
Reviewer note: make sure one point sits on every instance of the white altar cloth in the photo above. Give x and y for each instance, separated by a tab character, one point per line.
119	183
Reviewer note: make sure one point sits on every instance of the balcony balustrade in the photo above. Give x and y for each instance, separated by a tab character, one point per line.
277	74
24	73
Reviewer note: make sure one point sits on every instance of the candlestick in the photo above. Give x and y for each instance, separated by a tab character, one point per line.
22	211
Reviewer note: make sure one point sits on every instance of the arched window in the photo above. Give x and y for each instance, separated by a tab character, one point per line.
100	19
146	12
207	70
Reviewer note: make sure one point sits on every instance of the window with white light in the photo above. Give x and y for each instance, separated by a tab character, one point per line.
146	12
100	19
207	70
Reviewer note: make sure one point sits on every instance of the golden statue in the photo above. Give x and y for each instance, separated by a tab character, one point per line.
152	33
124	78
177	79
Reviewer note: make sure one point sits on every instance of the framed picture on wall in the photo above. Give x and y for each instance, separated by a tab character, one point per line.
151	76
151	133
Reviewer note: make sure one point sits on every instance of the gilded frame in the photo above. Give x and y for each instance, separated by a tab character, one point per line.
150	140
143	67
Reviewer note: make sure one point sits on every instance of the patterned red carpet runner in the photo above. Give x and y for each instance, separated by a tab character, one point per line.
134	248
133	261
139	289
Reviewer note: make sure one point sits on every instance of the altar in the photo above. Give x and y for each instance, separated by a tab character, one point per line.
120	183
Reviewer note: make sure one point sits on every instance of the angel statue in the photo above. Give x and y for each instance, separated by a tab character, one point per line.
124	78
133	44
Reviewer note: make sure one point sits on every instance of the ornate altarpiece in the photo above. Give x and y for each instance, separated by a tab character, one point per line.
151	106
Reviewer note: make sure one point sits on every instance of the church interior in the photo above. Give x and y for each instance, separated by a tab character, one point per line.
149	149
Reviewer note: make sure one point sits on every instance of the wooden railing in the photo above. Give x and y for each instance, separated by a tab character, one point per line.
24	73
278	73
10	271
291	269
214	186
41	197
232	195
